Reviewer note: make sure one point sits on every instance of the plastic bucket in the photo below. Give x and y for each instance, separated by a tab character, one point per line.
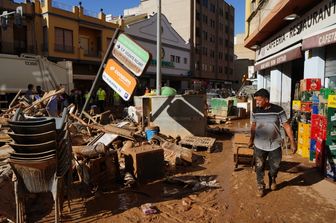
151	131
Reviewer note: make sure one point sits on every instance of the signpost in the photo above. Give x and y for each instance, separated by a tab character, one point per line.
119	79
125	53
130	54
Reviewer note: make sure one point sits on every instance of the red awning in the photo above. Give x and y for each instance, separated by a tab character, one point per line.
284	56
324	37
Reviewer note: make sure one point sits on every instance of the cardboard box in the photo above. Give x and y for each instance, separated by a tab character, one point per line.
332	101
306	106
296	105
310	84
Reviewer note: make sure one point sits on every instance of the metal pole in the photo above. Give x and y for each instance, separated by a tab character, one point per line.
100	71
158	50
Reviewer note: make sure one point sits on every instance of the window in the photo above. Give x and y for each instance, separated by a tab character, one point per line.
197	65
212	8
64	40
172	58
205	19
185	60
205	3
198	32
198	16
220	69
177	59
212	23
212	53
205	51
205	35
221	12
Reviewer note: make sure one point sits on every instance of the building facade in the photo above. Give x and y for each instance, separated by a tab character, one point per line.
293	39
59	32
175	64
208	26
243	60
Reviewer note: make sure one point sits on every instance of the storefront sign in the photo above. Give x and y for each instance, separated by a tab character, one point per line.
321	39
119	79
166	64
321	16
130	54
286	56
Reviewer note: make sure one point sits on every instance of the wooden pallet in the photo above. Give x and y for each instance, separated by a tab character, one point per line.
198	143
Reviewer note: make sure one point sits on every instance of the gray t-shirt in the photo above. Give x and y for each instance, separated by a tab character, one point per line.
268	121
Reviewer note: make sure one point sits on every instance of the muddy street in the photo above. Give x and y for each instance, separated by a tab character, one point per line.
303	194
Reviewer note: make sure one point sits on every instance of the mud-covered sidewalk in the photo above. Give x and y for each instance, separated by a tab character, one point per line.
303	194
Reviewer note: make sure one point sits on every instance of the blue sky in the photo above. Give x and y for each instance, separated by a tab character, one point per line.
116	7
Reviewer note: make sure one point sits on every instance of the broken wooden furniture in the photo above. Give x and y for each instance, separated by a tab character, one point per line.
96	164
146	162
242	153
42	159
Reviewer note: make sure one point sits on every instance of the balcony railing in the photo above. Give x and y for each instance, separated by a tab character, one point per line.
91	13
64	48
92	53
16	47
62	6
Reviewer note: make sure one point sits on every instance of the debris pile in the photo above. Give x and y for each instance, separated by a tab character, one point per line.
103	151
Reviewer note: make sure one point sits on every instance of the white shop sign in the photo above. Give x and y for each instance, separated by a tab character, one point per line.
321	16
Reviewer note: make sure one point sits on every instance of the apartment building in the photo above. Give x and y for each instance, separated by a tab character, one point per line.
208	26
59	32
293	39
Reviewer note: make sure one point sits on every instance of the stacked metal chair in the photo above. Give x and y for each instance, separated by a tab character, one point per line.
42	158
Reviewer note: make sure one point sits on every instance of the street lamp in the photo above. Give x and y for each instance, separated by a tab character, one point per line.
158	49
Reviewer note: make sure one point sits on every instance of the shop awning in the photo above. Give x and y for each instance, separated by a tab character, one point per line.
284	56
321	38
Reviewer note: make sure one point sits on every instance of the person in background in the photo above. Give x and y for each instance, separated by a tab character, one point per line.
116	99
101	96
29	93
267	119
39	91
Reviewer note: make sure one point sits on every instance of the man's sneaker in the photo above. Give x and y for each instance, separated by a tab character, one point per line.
272	183
261	191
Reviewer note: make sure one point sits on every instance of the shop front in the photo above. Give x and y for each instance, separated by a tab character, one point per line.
305	48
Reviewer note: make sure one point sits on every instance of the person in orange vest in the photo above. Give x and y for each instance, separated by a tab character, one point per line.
101	96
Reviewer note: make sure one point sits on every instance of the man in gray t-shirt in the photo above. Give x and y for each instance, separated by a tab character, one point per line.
266	120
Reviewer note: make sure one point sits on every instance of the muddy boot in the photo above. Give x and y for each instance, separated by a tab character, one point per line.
260	190
272	183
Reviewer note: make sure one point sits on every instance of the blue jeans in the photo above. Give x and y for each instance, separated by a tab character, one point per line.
274	159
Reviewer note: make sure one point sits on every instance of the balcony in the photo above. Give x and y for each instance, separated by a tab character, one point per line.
64	48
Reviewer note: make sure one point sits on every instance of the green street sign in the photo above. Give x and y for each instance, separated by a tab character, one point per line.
130	54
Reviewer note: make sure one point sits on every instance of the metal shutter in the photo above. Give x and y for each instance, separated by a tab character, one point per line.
330	64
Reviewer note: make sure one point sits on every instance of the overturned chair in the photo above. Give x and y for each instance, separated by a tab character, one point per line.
42	159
